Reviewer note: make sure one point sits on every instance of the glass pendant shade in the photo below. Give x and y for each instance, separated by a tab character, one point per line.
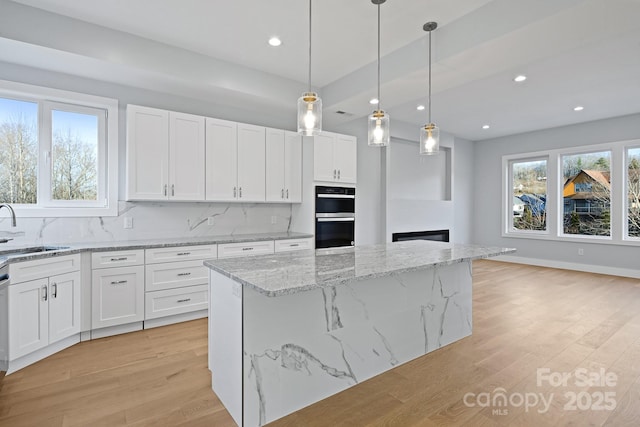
309	114
378	126
429	139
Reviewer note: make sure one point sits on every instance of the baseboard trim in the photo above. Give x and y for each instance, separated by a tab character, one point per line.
589	268
38	355
176	318
116	330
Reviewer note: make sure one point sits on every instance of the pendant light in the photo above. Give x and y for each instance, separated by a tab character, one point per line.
309	104
429	133
378	122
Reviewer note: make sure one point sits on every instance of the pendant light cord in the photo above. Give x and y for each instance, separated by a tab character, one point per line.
379	101
309	45
430	77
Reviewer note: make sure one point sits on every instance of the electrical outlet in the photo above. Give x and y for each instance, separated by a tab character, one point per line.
580	251
274	219
211	220
128	222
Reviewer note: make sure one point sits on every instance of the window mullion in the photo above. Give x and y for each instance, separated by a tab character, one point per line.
45	161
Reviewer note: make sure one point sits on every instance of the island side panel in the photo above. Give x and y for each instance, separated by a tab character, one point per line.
225	342
304	347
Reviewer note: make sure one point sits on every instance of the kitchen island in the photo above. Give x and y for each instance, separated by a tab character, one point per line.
288	330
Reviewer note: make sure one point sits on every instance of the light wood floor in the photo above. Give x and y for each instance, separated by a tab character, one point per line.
525	318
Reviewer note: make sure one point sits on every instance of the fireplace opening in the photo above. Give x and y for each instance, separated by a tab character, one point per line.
436	235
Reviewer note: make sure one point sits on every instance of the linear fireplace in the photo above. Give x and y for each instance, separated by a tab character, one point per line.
437	235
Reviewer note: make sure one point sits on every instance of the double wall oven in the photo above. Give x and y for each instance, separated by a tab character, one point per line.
335	217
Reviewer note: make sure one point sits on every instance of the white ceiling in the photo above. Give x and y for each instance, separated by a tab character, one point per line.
574	52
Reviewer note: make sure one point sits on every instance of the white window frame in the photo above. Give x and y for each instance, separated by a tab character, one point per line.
555	202
49	99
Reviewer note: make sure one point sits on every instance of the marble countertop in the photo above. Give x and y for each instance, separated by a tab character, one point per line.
7	252
287	273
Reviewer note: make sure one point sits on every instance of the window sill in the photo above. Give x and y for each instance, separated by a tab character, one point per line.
602	240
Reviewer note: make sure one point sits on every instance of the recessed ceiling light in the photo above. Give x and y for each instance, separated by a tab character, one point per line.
578	108
420	107
520	78
275	41
485	126
373	101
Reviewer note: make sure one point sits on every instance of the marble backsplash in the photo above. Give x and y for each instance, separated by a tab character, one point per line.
152	220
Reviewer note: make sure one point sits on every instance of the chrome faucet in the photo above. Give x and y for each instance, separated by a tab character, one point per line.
13	214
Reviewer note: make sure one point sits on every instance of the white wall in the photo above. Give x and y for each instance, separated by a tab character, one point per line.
487	188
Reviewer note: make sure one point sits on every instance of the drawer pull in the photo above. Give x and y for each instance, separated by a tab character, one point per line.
183	253
119	282
184	300
184	274
119	259
293	245
247	249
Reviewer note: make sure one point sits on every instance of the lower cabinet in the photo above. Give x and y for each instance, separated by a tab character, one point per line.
176	301
42	312
117	296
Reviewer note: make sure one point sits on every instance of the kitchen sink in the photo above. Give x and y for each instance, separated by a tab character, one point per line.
31	250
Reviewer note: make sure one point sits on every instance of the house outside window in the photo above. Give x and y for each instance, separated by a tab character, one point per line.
529	193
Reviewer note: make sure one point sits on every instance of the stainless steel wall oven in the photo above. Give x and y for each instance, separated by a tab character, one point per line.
335	217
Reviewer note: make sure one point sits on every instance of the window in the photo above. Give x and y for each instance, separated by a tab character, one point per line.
633	192
58	152
586	192
529	195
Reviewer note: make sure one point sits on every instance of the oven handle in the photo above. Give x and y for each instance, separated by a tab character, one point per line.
351	219
335	196
335	215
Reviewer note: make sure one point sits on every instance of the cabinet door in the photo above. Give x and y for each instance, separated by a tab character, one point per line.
64	306
275	166
28	317
293	167
117	296
186	157
251	163
323	168
345	158
221	160
147	153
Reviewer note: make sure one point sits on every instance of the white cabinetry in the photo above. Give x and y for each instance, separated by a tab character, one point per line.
335	158
235	161
176	283
165	155
283	166
45	310
117	292
293	245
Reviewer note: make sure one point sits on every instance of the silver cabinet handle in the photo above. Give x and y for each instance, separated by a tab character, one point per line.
335	174
282	193
240	192
119	282
287	194
183	253
119	259
54	290
173	189
338	173
165	189
184	300
45	295
247	249
234	192
294	245
184	274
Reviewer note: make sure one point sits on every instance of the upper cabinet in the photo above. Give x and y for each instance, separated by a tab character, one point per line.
165	155
283	166
335	158
235	161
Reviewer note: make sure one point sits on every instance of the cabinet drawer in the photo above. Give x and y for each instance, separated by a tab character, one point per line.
175	275
176	301
117	258
45	267
229	250
293	245
180	253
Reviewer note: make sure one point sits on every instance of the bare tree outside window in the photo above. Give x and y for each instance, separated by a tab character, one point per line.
529	180
633	192
18	151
